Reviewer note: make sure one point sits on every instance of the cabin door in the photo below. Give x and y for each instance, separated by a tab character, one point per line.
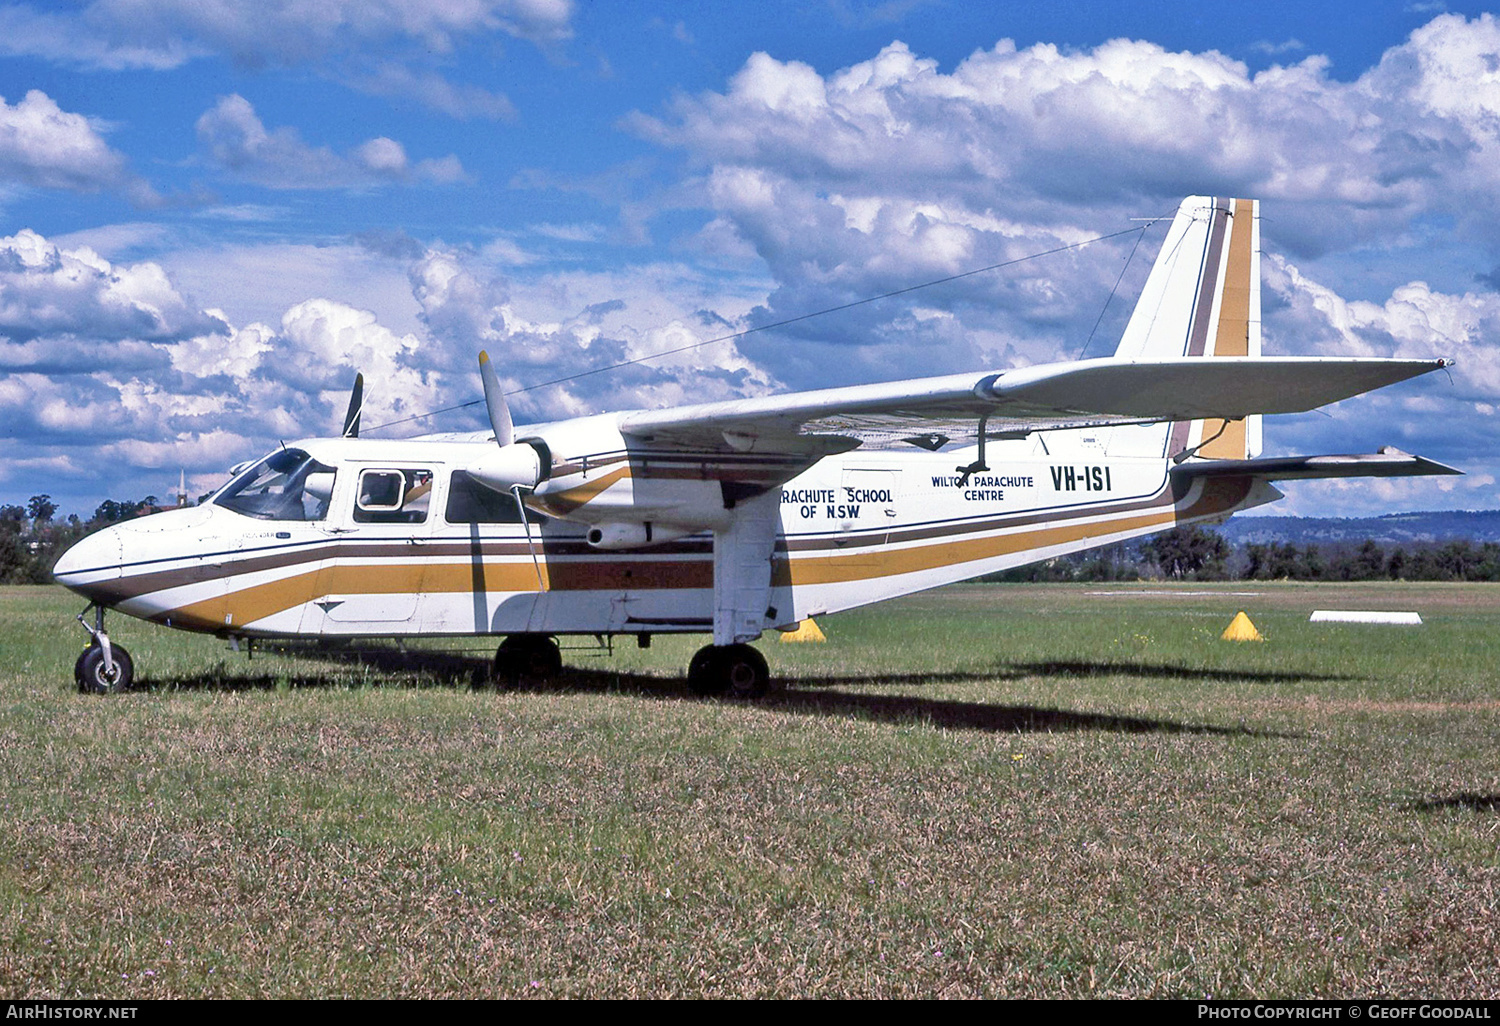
373	578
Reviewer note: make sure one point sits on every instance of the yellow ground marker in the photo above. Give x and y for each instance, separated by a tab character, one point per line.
1241	629
807	630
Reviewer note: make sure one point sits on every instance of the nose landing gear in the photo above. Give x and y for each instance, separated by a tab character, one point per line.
103	668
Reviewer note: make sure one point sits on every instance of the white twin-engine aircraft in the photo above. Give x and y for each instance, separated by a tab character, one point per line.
748	515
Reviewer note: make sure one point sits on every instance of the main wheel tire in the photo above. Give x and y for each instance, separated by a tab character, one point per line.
528	657
744	671
735	671
93	678
700	680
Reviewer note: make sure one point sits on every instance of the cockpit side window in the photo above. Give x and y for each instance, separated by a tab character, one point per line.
286	485
393	496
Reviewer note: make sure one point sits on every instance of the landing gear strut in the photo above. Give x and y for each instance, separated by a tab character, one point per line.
734	671
526	657
104	667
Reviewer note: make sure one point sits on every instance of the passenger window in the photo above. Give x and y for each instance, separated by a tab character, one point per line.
470	502
393	496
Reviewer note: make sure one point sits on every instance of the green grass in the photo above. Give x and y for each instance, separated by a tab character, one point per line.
982	791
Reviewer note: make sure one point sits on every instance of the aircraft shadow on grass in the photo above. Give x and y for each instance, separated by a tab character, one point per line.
1079	668
1465	800
811	696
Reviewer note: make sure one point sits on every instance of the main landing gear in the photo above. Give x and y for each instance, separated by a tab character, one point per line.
532	657
734	671
104	667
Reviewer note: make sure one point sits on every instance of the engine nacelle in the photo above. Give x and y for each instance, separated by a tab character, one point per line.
520	463
635	536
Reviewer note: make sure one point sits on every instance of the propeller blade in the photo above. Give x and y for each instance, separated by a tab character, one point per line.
494	400
356	407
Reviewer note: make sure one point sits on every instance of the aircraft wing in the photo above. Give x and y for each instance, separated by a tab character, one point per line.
1041	398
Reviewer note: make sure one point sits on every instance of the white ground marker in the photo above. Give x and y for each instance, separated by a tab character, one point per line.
1362	616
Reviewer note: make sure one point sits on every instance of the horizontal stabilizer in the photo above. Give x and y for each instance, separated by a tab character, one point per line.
1388	462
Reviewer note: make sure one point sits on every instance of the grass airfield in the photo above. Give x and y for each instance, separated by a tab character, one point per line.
983	791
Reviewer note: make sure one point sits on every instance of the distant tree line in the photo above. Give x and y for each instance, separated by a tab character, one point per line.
31	538
1199	554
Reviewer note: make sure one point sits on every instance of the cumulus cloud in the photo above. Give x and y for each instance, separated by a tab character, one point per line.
233	138
854	182
891	163
111	364
109	370
44	146
75	294
1449	412
566	324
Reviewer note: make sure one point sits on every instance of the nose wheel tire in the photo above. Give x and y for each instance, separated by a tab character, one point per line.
94	678
733	671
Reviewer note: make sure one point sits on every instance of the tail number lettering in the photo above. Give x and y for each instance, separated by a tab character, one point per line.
1085	479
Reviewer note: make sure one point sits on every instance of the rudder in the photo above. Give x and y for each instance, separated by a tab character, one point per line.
1202	298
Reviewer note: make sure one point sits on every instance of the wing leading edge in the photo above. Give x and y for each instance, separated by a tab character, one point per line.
1046	397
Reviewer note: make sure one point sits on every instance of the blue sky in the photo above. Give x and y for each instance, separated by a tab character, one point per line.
212	212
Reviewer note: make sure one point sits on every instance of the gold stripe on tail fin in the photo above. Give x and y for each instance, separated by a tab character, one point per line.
1238	331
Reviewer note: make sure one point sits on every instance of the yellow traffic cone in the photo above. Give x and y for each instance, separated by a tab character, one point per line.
1241	629
807	630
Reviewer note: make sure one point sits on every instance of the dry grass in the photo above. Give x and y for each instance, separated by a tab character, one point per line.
978	792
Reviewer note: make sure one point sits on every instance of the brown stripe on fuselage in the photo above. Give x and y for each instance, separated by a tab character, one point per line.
245	605
397	552
646	572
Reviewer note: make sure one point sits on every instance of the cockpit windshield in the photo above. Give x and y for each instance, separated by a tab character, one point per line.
286	485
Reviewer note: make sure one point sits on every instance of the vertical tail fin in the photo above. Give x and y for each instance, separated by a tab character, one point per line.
1202	298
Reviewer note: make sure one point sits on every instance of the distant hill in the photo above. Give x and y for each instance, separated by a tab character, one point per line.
1391	529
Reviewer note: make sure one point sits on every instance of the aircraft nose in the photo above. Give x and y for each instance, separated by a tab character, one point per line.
92	562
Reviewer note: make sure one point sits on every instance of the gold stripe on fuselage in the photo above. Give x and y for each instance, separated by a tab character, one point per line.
241	607
562	503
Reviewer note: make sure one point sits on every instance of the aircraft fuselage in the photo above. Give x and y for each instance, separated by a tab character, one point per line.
853	529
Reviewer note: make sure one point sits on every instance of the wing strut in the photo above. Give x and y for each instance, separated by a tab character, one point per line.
530	546
979	464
